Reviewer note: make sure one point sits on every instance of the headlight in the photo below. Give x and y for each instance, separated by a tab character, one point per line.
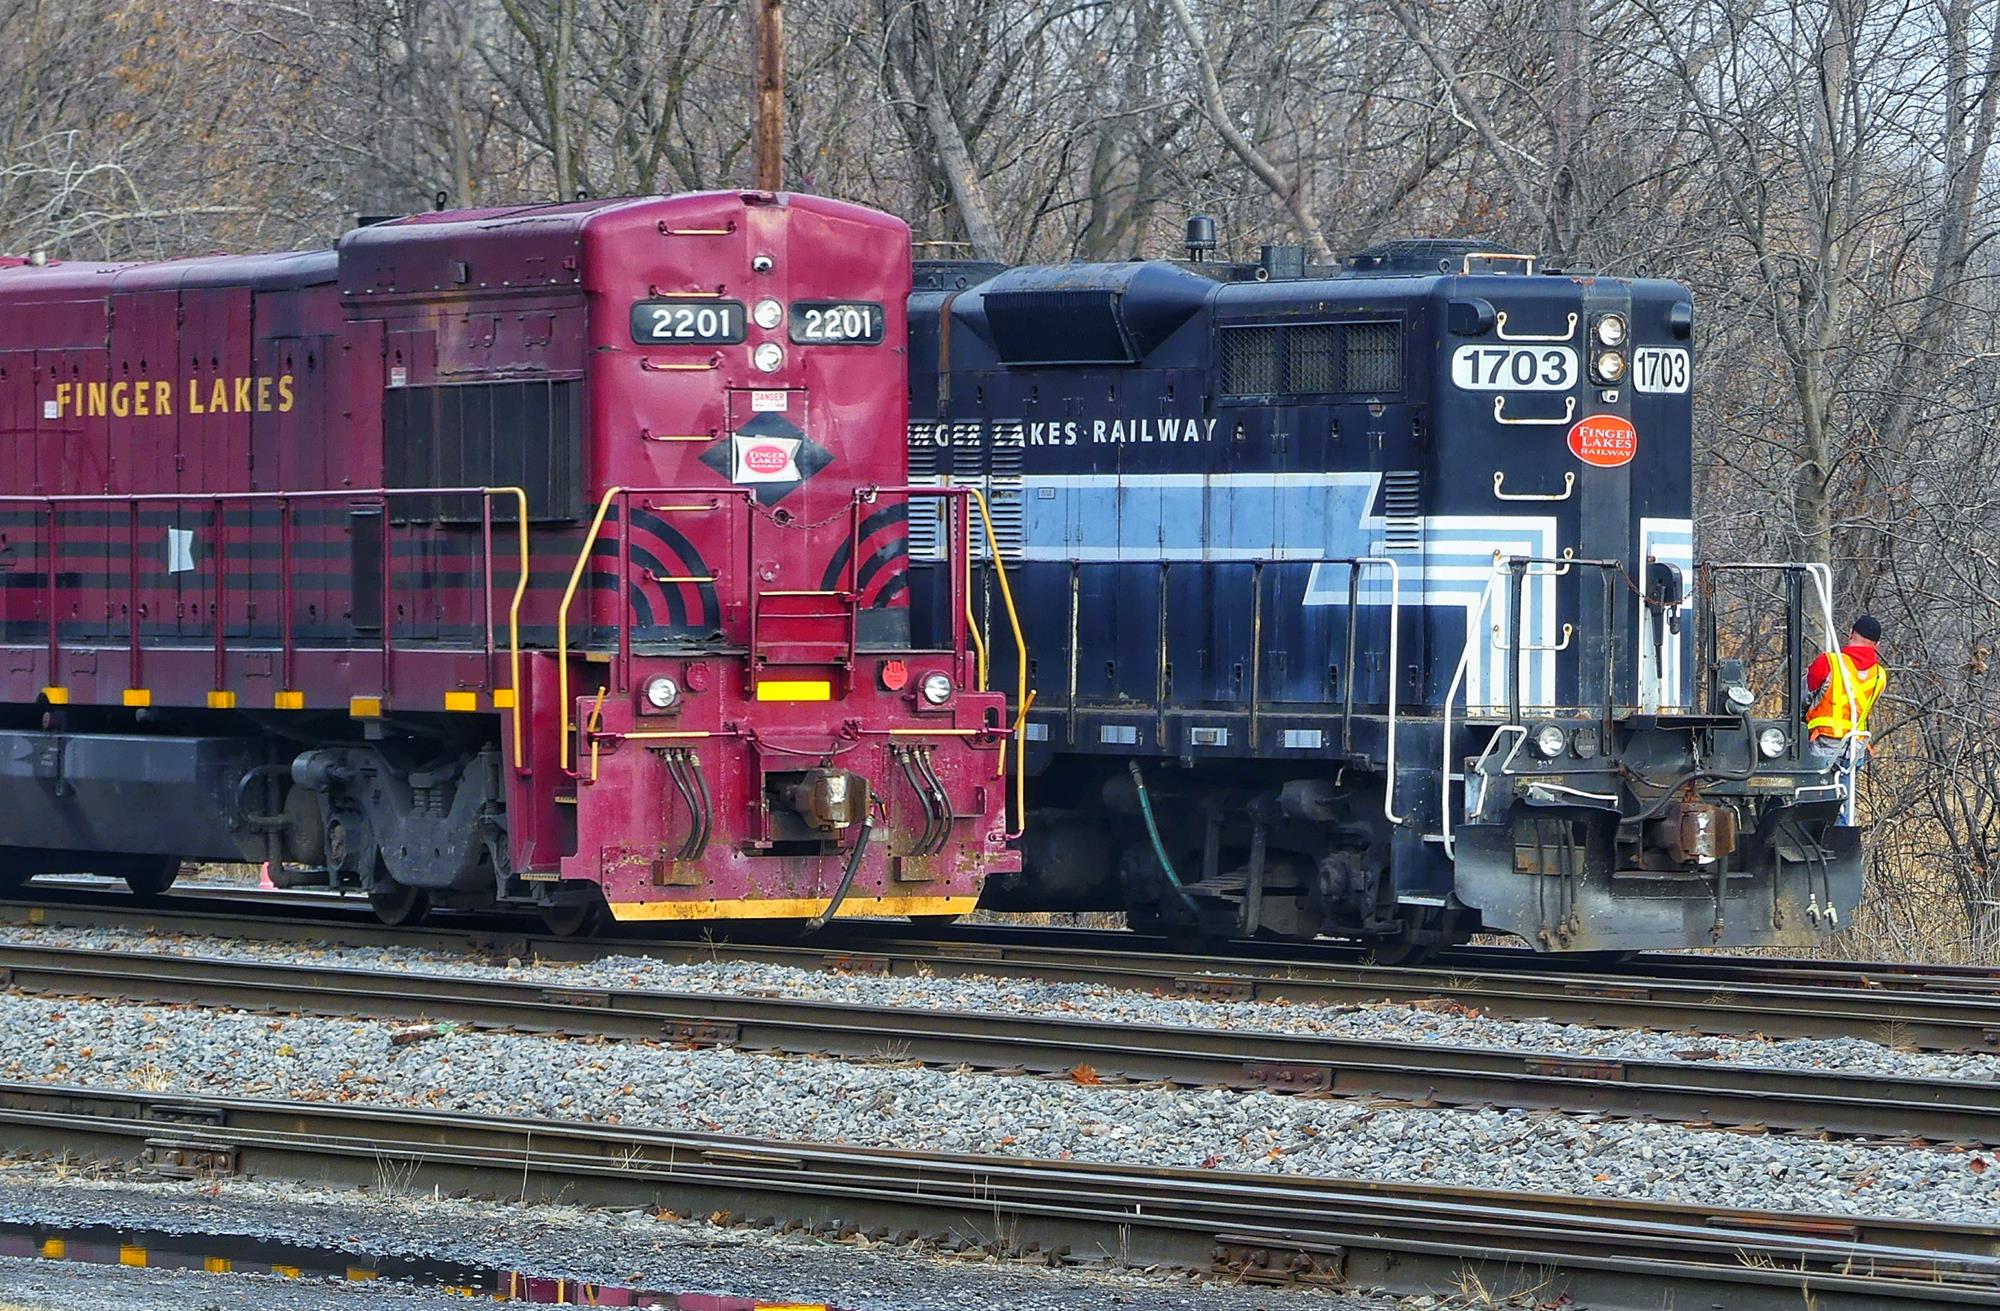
1548	741
1771	743
769	357
1609	366
662	692
768	314
937	688
1611	330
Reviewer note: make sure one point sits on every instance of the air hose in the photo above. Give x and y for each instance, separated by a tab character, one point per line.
818	922
1153	832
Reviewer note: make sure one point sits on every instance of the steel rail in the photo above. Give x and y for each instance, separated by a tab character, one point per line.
1923	1019
1269	1228
1703	1092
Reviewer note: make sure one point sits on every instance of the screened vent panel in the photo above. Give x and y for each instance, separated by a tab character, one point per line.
1311	359
1250	361
1402	511
1374	357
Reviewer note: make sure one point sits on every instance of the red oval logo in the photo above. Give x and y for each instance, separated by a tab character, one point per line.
1605	440
766	459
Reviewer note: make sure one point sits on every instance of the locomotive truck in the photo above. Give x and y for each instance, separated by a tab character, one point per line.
1361	600
550	557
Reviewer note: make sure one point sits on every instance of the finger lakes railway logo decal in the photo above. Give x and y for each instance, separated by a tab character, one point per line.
769	454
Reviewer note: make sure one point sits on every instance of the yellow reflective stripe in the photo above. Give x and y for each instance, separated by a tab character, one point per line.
794	689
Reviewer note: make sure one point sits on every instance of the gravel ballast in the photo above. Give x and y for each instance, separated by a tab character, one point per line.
186	1050
1444	1023
620	1249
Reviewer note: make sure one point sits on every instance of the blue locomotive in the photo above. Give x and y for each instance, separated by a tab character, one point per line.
1362	601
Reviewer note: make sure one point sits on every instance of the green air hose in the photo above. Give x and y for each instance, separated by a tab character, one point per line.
1153	832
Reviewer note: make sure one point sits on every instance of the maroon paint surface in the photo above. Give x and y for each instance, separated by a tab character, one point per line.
228	390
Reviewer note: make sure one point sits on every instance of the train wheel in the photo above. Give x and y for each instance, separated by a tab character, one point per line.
578	917
151	876
397	904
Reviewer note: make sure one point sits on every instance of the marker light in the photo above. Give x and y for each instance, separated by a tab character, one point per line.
1771	743
768	357
1548	741
937	688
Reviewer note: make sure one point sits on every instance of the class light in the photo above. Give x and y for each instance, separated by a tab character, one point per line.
661	692
936	688
1548	741
1771	743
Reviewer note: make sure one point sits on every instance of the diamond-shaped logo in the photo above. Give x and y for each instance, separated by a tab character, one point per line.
769	453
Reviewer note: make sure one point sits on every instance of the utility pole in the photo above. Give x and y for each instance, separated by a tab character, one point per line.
769	129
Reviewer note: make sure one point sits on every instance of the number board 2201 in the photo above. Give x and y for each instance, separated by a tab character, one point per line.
687	321
837	323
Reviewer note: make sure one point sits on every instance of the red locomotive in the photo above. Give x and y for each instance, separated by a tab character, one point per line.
551	556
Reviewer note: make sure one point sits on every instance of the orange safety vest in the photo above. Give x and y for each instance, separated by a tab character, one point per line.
1833	715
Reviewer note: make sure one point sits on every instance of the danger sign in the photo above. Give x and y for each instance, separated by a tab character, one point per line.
1605	440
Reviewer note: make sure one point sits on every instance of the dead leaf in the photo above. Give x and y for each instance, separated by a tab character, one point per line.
1084	1075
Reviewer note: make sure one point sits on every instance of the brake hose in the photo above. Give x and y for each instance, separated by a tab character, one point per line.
1153	832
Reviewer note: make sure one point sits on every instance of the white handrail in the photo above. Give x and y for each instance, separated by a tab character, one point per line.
1500	331
1395	625
1500	481
1500	414
1473	624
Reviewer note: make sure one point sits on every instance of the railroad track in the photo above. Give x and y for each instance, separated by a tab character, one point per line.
1921	1012
1698	1092
1263	1228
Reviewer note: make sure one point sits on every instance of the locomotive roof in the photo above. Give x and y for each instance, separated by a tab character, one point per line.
1117	313
59	278
432	240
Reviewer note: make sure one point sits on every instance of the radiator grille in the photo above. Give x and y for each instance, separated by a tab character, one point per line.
923	473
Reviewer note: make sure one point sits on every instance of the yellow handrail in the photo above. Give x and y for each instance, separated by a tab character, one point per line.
1020	661
514	614
971	617
562	615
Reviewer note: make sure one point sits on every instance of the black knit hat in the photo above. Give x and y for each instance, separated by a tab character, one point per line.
1868	626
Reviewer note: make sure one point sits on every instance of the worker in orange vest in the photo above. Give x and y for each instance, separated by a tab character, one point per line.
1841	705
